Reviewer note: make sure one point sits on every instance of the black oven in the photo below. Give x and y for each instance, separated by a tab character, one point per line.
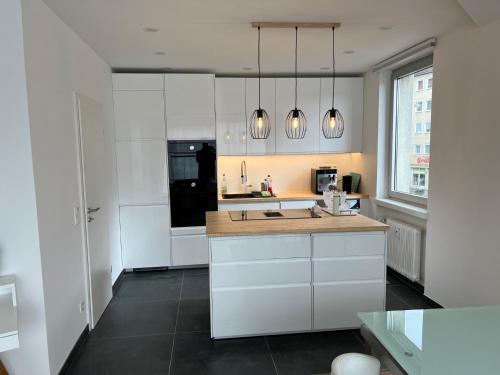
192	171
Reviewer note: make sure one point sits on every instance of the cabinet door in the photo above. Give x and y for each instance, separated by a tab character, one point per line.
267	99
230	116
296	204
142	172
308	93
145	236
349	100
189	250
190	108
249	206
138	81
139	115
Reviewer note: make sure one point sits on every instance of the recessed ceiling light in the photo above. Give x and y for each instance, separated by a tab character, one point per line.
159	53
324	68
150	29
247	68
349	52
385	28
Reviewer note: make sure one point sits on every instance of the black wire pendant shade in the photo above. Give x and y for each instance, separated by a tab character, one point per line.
333	121
296	123
260	124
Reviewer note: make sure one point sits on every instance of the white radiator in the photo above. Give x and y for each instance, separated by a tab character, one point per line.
403	249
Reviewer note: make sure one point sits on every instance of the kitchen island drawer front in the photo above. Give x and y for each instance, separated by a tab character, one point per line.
258	311
259	273
349	268
336	304
235	249
249	206
348	244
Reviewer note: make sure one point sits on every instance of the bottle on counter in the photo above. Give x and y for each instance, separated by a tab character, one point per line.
223	188
269	184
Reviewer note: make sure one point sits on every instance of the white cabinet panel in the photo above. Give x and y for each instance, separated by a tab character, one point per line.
261	146
296	204
336	305
189	250
349	100
308	93
249	206
349	268
233	249
257	311
145	236
137	81
348	244
139	115
260	273
142	172
190	107
230	116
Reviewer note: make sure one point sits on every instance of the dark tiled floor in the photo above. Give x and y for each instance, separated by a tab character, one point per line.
159	323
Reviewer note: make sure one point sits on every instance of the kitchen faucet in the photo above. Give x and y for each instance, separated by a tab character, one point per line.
244	177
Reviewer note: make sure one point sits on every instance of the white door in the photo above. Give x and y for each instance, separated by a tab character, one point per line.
95	187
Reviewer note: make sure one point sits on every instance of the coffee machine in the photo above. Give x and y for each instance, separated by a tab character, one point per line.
323	179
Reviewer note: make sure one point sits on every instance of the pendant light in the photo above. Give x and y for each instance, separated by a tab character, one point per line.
333	122
296	124
260	125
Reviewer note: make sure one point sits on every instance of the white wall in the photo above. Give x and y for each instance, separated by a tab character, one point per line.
59	63
19	246
463	256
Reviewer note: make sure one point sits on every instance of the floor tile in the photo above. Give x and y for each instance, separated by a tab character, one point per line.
194	315
126	319
408	295
313	353
195	286
393	302
154	287
130	356
197	353
196	271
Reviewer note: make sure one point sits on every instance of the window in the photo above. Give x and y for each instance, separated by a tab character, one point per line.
420	85
418	106
411	132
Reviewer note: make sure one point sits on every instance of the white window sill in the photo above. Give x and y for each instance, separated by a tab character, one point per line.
405	208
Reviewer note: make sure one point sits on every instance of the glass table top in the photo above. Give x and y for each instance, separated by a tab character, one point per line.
462	341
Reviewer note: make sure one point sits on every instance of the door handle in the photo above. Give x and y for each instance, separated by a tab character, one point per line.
92	210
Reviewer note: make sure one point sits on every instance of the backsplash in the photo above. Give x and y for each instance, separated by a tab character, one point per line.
289	172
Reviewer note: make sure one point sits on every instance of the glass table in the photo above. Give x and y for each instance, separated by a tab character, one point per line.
463	341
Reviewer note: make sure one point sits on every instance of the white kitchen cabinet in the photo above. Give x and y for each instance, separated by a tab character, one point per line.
142	172
145	236
230	114
308	94
261	146
190	107
284	205
189	250
349	100
249	206
139	115
138	81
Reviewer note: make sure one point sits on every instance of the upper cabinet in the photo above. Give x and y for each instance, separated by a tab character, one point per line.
308	93
138	82
230	116
349	100
267	99
190	108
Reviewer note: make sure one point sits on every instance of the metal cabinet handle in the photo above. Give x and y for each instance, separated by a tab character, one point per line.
92	210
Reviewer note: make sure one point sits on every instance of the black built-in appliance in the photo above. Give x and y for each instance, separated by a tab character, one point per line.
323	179
192	167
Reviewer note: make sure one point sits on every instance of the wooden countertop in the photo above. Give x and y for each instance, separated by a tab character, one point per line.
219	224
288	196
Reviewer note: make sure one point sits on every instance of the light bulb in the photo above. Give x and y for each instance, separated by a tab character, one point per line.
333	122
295	122
260	122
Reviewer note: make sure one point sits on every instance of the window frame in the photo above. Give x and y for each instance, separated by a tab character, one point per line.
401	72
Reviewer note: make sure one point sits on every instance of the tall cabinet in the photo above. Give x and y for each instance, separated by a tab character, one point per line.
141	153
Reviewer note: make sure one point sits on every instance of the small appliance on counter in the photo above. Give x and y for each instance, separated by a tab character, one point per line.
323	179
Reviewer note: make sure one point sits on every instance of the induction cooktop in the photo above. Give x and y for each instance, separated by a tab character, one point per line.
273	215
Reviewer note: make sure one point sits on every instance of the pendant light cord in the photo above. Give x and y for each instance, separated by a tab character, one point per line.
258	59
333	67
296	37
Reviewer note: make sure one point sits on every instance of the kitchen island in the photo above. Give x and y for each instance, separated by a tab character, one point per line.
284	275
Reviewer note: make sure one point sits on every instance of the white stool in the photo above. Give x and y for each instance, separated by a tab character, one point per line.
355	364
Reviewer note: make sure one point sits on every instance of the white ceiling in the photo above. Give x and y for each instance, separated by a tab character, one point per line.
216	36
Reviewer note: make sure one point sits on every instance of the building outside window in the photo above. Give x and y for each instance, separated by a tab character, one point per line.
420	85
411	132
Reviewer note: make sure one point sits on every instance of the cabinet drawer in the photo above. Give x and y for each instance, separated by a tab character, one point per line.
249	206
296	204
189	250
348	244
337	305
260	248
349	268
274	272
256	311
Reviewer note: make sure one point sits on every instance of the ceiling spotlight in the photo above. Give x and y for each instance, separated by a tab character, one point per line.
159	53
349	52
247	68
385	28
324	68
150	29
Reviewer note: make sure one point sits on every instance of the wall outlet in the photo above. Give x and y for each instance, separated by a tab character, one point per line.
82	307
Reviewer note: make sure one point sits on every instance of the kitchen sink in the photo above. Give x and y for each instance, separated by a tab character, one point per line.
244	195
